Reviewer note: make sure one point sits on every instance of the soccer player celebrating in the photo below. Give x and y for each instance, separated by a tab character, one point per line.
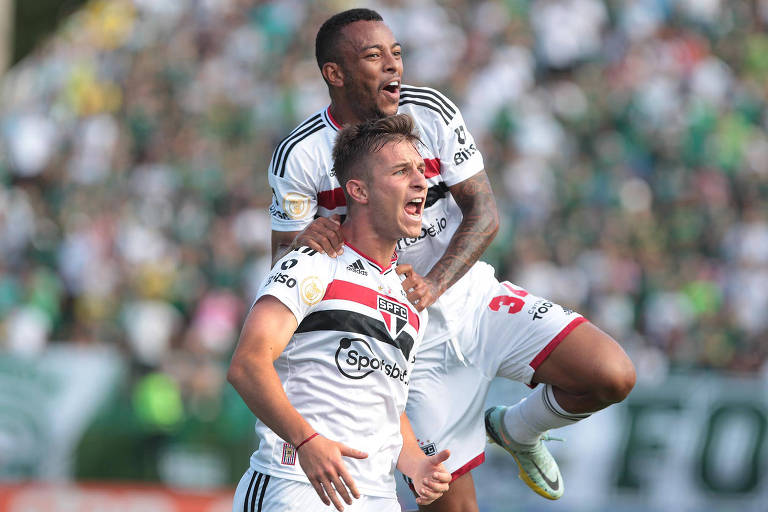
479	328
327	350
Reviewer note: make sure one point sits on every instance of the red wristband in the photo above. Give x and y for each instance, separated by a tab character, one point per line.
306	440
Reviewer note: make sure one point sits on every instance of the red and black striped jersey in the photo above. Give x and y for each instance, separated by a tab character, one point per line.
347	367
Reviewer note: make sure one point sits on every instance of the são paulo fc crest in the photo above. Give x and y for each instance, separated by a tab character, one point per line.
395	315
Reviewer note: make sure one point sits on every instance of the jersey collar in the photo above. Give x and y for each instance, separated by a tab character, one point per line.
330	120
373	262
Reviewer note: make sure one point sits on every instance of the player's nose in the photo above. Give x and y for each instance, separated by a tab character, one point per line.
418	181
392	64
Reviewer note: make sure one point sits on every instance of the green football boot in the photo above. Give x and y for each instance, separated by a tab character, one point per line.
538	469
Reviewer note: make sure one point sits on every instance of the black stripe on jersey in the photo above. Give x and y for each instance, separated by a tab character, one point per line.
439	97
328	121
253	496
278	154
405	96
285	147
430	106
294	132
305	250
358	323
553	410
435	193
305	123
248	492
263	490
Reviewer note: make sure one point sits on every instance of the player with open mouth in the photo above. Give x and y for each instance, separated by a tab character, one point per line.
341	418
479	328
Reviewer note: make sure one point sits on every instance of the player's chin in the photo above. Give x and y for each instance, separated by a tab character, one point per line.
411	228
387	108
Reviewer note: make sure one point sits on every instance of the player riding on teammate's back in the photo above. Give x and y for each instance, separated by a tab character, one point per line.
479	328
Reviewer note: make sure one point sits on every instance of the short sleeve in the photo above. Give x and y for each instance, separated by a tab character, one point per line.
298	280
294	191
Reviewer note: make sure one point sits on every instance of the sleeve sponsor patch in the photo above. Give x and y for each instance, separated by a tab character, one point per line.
311	290
296	205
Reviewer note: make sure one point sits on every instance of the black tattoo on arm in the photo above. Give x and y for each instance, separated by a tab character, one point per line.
475	233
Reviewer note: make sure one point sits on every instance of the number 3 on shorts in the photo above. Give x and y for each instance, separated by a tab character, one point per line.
515	304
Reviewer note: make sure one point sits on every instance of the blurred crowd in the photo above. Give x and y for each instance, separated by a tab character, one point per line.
626	142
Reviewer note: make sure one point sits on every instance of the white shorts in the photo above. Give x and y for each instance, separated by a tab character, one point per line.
258	492
514	333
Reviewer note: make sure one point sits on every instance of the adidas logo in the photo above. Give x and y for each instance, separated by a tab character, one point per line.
357	268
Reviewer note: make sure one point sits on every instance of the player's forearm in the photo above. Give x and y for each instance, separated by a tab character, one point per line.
478	227
282	244
279	251
410	454
257	382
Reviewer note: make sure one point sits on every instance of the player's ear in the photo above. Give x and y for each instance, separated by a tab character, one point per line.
358	191
333	74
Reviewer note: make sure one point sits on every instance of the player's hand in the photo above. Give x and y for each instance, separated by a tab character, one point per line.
321	460
421	291
323	235
431	478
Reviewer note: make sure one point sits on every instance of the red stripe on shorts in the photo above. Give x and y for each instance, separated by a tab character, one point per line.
466	468
541	356
469	466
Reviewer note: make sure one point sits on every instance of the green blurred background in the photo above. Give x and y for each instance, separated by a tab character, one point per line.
627	145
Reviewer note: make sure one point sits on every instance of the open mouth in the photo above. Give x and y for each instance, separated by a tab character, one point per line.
392	87
415	207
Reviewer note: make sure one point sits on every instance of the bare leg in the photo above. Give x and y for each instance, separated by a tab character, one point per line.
459	498
588	370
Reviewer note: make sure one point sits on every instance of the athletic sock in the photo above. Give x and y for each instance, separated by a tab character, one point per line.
535	414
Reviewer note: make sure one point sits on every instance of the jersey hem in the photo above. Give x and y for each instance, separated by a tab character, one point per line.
469	466
368	491
283	227
466	468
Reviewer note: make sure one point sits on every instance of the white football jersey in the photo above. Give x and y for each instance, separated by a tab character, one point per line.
347	367
304	187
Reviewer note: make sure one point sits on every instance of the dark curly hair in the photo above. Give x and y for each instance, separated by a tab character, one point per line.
327	40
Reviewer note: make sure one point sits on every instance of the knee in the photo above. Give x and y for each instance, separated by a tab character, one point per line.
617	380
